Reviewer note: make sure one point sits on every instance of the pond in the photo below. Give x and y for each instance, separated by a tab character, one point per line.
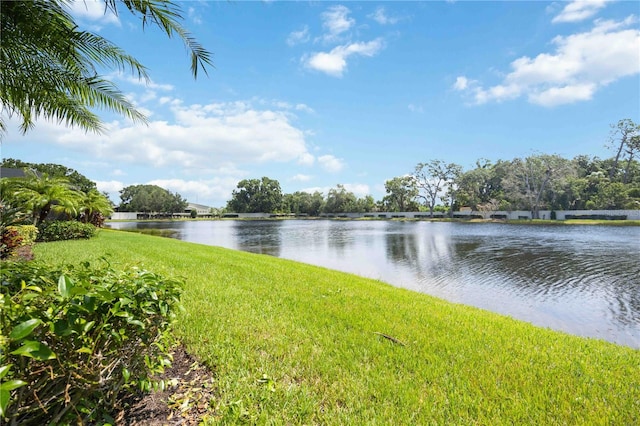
583	280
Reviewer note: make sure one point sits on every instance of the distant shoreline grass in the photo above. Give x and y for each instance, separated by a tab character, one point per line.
291	343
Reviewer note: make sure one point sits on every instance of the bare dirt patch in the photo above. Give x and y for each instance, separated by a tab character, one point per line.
185	402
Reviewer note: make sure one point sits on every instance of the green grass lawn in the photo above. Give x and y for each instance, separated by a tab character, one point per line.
296	344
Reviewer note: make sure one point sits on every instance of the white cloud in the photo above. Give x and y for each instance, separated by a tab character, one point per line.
197	137
109	186
581	64
563	95
336	21
381	17
579	10
298	37
149	84
360	189
330	163
94	12
198	190
194	15
334	62
301	178
461	83
304	108
306	159
118	172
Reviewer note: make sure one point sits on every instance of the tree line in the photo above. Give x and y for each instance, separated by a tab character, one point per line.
533	183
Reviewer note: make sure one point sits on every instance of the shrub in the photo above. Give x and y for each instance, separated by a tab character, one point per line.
10	240
65	230
74	337
16	240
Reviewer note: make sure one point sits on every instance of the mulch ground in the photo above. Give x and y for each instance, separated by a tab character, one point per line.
185	402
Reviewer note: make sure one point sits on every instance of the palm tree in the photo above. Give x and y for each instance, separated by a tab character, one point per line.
94	206
41	195
49	66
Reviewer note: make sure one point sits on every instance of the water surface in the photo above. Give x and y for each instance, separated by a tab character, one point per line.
584	280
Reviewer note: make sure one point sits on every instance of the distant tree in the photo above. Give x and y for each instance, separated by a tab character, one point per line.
401	194
256	196
480	186
433	179
339	200
150	199
534	176
365	204
77	180
624	140
301	202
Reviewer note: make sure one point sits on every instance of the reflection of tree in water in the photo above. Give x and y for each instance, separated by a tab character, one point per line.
341	237
402	248
428	256
261	237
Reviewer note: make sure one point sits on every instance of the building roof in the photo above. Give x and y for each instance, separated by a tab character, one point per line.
8	172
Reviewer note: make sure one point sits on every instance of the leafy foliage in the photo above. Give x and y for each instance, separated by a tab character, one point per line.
150	198
256	196
40	195
59	230
17	240
77	180
401	194
50	66
73	337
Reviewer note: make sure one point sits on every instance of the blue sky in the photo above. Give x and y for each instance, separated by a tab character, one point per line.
315	94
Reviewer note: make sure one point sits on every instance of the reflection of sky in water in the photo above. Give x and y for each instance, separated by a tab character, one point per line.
581	279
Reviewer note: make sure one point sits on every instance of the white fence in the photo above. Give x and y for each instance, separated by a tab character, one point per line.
513	215
501	214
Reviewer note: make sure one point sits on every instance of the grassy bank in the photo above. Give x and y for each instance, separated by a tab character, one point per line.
297	344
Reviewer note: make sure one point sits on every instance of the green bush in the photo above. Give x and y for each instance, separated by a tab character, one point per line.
65	230
73	337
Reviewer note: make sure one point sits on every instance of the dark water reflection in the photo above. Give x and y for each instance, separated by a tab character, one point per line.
583	280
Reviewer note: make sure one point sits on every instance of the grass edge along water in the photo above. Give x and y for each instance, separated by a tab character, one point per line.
291	343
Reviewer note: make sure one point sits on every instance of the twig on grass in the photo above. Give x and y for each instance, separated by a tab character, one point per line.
393	339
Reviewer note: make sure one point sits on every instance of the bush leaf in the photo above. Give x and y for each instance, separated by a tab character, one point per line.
64	286
11	385
33	349
24	329
4	401
4	370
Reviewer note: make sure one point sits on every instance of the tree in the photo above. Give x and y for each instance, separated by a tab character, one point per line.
256	196
401	194
534	176
303	203
50	66
432	179
76	179
339	200
481	186
150	199
624	139
365	204
94	207
41	194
